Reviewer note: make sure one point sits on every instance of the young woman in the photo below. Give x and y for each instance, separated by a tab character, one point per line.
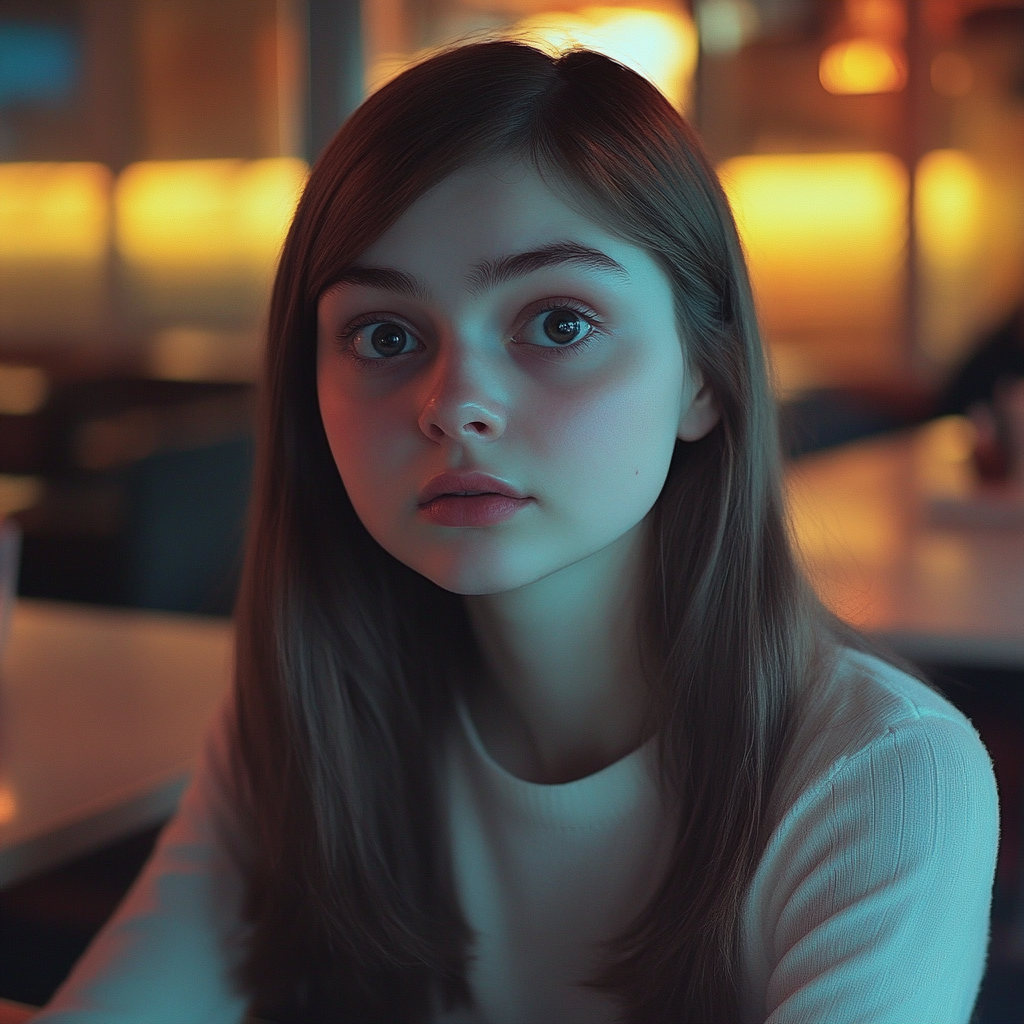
535	720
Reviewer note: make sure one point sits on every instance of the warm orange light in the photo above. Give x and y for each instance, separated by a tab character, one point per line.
953	231
8	805
861	66
824	236
266	193
177	213
658	41
194	353
54	212
190	217
54	241
948	205
659	44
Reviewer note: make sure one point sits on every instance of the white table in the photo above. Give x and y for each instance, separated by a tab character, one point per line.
102	714
938	594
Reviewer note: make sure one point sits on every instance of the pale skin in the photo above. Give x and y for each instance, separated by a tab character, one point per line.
562	376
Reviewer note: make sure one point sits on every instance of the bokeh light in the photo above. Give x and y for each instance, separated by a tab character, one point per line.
54	245
948	207
824	235
51	211
191	216
661	45
858	67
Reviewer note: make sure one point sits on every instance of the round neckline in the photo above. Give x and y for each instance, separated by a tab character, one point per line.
471	733
604	799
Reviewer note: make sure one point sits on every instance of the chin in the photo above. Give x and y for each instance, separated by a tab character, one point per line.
476	576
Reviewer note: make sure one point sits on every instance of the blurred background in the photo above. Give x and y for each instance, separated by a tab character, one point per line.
151	154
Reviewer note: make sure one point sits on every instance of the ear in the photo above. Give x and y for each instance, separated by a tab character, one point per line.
699	416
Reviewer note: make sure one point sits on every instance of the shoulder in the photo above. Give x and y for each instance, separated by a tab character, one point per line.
866	707
882	853
880	758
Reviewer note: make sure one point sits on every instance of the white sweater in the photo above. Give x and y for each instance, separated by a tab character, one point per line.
870	904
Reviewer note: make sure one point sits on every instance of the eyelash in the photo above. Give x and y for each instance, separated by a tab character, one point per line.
368	319
592	319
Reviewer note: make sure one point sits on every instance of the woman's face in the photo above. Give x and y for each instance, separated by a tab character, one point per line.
502	383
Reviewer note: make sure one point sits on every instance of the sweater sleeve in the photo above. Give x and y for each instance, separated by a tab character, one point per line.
878	884
166	953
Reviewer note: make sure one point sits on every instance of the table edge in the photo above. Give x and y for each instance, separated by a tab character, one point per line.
38	853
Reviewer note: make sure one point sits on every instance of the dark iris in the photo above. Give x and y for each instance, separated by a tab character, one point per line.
388	339
562	326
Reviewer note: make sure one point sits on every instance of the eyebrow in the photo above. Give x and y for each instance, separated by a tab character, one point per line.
489	273
505	268
386	278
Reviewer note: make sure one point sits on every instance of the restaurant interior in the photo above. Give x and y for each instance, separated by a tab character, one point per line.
151	155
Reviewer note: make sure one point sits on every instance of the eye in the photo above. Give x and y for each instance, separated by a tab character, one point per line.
558	326
375	340
563	326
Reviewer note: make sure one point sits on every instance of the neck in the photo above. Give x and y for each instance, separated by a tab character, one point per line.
563	693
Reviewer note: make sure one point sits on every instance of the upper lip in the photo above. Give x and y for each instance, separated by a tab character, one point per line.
466	483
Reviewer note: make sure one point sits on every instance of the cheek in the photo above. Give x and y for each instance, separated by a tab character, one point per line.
612	442
360	441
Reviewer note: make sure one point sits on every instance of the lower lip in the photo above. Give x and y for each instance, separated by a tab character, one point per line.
471	509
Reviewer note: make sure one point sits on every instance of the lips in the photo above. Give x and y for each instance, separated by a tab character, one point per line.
469	500
466	485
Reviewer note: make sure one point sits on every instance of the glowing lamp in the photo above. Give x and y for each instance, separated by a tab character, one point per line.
857	67
192	217
54	213
953	223
824	235
266	193
948	205
660	45
54	240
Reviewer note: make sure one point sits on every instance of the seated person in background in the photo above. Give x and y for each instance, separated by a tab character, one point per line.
989	388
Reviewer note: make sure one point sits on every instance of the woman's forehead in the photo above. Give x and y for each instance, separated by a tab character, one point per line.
508	203
483	217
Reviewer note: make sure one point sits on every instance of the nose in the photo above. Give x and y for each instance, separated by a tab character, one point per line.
463	403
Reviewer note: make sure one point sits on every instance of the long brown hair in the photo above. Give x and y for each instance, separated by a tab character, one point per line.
346	657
